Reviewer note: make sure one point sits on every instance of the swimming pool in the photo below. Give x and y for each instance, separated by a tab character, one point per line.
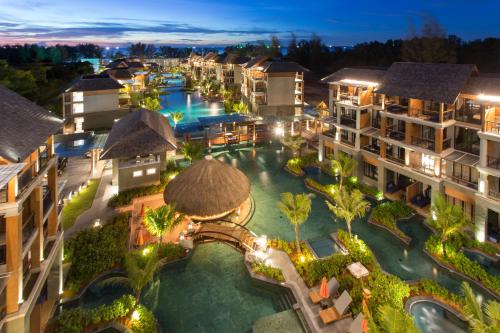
431	317
324	247
491	266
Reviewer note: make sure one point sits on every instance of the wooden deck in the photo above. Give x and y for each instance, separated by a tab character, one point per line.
226	233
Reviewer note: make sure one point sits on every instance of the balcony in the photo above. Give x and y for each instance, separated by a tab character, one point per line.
348	99
494	194
373	148
396	109
24	180
469	114
423	143
464	182
492	127
431	115
28	228
395	159
3	195
493	162
395	134
348	121
47	201
329	133
447	144
347	141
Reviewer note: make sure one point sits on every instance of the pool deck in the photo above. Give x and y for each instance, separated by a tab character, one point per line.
280	259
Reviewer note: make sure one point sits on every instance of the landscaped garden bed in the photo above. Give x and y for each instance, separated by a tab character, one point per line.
267	271
79	203
386	216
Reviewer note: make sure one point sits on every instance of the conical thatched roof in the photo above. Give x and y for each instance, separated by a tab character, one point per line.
208	189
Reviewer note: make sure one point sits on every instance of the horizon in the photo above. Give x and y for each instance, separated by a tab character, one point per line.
223	23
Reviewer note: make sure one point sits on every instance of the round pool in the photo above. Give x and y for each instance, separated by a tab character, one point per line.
432	317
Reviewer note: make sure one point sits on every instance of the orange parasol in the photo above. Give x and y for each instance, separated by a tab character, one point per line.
140	238
323	290
143	211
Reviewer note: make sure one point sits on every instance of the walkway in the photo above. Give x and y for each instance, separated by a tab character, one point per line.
280	259
232	233
99	208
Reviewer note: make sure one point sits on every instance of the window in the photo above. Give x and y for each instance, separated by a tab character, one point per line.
137	173
78	108
370	170
151	171
467	207
78	96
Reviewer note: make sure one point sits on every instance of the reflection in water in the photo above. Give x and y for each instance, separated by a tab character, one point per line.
432	318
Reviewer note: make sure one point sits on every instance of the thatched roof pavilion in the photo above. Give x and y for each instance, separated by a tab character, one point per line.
208	189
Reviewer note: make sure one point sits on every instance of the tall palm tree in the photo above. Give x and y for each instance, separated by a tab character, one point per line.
294	143
391	321
192	151
162	219
344	167
177	117
138	272
481	319
348	205
297	209
446	219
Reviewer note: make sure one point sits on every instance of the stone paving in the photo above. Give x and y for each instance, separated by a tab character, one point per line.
280	259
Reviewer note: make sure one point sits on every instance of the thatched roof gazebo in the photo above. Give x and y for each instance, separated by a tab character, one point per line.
208	189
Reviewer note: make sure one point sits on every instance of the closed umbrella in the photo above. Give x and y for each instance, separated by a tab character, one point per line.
323	290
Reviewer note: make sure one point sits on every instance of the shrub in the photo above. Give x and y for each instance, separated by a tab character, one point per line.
294	166
355	288
386	289
431	287
125	197
387	214
147	322
170	251
268	271
93	251
357	248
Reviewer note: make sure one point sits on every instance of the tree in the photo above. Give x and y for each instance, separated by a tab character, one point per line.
348	205
275	47
162	219
344	167
177	117
139	273
292	48
151	103
294	143
297	209
391	320
481	319
240	108
192	151
447	219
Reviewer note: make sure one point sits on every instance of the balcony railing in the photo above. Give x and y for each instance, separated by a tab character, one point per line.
47	201
348	99
395	134
424	143
396	108
3	195
28	228
329	133
493	127
447	143
347	141
396	159
461	181
431	115
494	193
494	162
348	121
373	148
469	115
24	180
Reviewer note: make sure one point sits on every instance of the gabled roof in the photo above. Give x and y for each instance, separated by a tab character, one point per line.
119	73
210	56
235	59
138	133
487	84
24	126
94	82
360	74
282	67
434	82
255	62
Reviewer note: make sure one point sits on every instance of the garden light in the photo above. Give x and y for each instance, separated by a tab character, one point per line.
146	251
135	315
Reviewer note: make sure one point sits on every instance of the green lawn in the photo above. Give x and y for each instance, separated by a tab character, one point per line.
79	203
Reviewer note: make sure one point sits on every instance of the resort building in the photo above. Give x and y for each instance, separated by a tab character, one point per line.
273	88
31	237
209	66
138	145
131	73
231	72
194	64
93	102
419	129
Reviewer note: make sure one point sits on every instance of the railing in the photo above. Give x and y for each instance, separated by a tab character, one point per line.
395	159
493	127
461	181
24	180
347	141
423	142
395	134
349	99
3	194
494	162
47	201
329	133
495	194
140	161
431	115
348	121
447	144
28	228
396	108
372	148
469	115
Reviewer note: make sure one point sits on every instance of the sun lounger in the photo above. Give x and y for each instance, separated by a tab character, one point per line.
333	287
357	325
338	310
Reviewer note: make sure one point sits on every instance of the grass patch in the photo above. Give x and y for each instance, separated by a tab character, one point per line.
79	203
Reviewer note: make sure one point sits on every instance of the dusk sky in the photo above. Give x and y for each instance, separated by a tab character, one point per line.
222	22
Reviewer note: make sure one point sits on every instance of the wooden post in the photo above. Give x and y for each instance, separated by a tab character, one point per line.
14	242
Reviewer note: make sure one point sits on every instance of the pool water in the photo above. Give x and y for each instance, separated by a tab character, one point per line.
433	318
491	266
324	247
191	104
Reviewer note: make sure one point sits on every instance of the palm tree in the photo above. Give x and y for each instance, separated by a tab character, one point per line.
191	151
177	117
391	321
297	209
446	219
139	273
294	143
343	166
481	319
162	219
348	205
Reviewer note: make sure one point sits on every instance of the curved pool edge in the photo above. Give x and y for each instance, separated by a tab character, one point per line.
406	241
419	299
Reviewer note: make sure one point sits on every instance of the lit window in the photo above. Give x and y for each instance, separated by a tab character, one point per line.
151	171
78	96
78	108
137	173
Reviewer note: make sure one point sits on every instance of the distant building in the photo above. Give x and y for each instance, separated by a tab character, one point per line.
131	73
31	235
93	102
95	62
138	146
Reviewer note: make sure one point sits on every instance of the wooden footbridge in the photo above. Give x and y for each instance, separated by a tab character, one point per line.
227	232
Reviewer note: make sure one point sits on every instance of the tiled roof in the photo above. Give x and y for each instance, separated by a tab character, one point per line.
94	82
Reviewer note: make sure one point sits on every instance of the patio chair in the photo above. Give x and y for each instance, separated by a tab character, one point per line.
357	325
333	287
338	310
